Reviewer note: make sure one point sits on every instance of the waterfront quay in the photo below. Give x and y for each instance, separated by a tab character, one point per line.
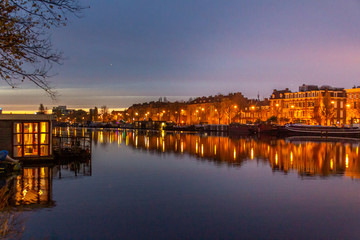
311	105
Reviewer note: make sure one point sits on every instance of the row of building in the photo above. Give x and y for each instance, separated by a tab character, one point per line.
311	104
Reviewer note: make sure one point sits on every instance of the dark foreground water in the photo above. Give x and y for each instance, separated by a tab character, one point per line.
148	185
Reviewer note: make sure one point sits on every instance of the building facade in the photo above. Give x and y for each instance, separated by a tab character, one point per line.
310	105
353	105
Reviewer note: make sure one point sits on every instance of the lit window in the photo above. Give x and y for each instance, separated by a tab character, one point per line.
29	141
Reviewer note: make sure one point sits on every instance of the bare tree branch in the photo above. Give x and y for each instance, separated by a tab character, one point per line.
26	50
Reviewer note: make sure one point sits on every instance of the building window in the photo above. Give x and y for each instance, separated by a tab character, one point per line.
31	139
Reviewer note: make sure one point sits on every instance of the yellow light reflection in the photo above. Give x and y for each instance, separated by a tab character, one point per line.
291	157
196	147
182	147
347	161
119	141
276	158
202	150
215	149
331	164
101	137
163	146
252	153
234	153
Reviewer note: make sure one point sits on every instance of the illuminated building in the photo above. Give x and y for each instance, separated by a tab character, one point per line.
310	105
26	136
353	105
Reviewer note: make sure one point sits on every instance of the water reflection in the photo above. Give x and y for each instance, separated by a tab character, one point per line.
316	157
31	189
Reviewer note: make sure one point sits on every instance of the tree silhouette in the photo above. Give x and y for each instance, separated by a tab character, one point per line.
26	50
324	109
41	109
219	110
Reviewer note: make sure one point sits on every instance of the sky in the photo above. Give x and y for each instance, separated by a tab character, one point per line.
121	52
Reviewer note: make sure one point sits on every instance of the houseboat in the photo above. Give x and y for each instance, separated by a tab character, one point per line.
317	130
26	137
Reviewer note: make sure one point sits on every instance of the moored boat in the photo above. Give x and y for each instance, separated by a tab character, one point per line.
270	129
238	128
318	130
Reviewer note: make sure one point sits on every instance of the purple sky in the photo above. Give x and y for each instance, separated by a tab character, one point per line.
129	51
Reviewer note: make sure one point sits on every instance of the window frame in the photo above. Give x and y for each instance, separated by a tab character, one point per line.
37	145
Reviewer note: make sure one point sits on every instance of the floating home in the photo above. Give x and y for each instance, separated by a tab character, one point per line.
26	137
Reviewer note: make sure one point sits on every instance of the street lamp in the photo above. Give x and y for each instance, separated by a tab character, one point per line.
252	108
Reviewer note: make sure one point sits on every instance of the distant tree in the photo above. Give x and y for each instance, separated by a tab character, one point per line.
324	109
175	111
327	110
219	110
79	116
230	109
317	116
272	119
41	109
26	50
105	114
96	114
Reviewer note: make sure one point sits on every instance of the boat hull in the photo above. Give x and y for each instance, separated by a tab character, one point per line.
322	131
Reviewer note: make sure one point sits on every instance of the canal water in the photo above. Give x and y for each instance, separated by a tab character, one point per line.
165	185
